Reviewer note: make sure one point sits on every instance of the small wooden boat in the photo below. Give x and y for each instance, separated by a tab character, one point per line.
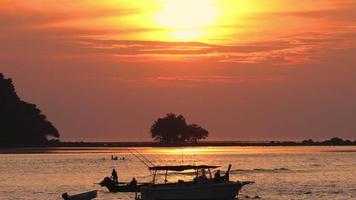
113	186
82	196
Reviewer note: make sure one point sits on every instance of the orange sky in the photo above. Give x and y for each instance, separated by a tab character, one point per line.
245	70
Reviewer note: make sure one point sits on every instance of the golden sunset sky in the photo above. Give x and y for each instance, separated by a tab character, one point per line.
243	69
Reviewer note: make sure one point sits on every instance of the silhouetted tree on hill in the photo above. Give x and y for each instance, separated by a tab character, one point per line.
173	130
21	123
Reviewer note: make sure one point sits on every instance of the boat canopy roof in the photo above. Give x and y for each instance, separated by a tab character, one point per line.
182	167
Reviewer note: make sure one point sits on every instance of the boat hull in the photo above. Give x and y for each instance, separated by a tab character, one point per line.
124	188
193	191
83	196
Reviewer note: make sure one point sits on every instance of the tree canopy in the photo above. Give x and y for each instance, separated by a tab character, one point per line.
21	123
173	129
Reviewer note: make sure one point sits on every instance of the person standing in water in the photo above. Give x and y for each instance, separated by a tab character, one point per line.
114	176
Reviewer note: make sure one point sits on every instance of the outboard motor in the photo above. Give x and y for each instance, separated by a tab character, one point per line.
65	196
108	183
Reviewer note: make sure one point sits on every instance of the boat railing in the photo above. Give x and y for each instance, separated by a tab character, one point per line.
179	168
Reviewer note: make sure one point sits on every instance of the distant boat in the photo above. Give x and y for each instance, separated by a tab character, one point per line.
201	188
82	196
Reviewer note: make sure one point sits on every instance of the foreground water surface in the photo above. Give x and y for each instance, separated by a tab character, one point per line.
279	172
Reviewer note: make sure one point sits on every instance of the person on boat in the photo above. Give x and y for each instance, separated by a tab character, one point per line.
133	182
217	176
203	174
201	177
114	176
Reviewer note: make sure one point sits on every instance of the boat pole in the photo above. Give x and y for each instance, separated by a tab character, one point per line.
165	178
154	176
211	177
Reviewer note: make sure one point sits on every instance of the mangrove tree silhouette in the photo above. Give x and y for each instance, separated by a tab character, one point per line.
21	123
173	129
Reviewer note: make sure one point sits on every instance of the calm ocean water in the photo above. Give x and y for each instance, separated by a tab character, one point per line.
279	172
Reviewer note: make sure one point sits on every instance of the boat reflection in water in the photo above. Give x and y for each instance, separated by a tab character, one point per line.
201	188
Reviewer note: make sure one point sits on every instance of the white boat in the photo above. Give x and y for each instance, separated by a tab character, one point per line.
201	188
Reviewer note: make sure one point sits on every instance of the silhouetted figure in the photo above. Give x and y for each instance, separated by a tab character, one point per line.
114	157
114	176
203	174
201	177
133	182
217	176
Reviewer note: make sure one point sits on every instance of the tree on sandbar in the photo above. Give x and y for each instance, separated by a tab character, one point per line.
173	129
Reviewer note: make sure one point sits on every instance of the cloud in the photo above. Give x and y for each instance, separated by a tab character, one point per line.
198	80
345	13
220	79
38	30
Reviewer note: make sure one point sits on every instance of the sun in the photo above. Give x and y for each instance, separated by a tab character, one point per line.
187	19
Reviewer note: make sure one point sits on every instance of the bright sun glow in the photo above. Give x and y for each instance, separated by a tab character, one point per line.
187	19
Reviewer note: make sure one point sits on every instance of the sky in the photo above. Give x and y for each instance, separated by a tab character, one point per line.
244	70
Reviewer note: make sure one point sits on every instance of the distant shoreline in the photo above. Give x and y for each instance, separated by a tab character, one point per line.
114	149
56	143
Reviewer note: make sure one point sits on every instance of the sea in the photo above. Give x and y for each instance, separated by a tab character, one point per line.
280	173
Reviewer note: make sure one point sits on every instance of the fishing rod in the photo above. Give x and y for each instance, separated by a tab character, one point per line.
140	159
144	157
